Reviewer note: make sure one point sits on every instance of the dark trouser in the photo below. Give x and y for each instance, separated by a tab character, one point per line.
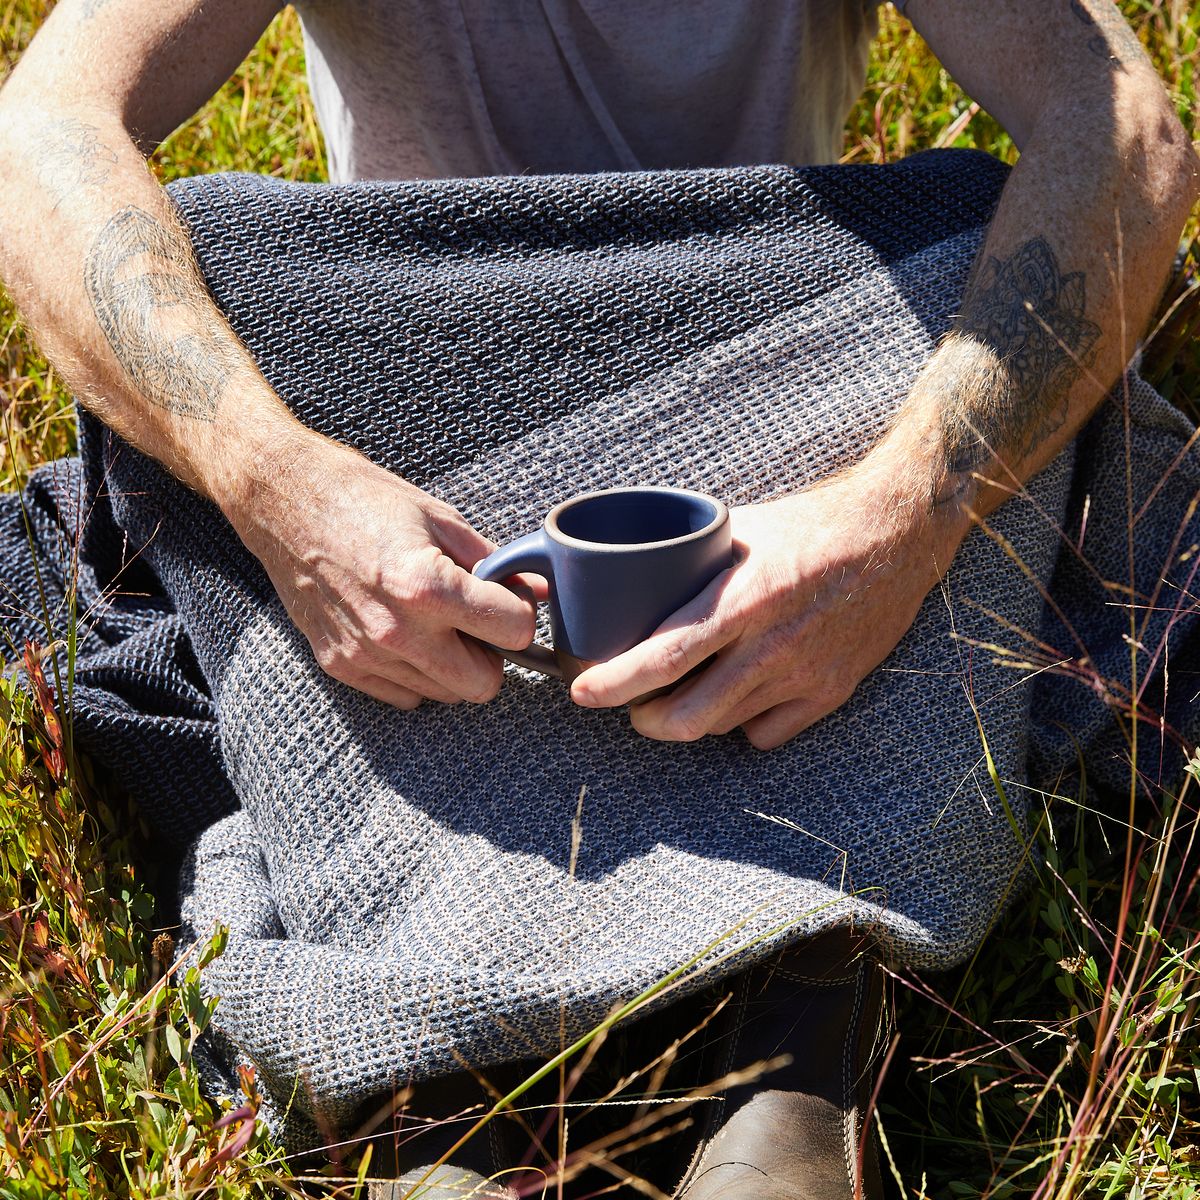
772	1065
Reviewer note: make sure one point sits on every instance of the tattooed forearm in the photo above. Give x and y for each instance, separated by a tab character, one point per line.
1109	37
1022	342
150	306
73	158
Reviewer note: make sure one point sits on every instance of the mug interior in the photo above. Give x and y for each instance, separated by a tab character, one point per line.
627	518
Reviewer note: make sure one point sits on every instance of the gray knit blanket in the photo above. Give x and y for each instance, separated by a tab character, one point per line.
400	887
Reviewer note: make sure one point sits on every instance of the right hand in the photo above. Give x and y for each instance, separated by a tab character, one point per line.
377	575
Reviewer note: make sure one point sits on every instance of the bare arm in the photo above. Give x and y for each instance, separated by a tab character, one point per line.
89	246
1079	248
375	572
1073	264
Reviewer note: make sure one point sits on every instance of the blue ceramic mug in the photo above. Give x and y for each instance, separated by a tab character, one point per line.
618	563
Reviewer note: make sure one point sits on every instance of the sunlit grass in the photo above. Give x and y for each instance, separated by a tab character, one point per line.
1006	1082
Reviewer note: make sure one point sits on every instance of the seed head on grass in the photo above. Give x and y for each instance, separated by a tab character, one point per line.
992	1107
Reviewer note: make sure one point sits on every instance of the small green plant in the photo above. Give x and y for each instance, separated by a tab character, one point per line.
1068	1064
1064	1061
99	1092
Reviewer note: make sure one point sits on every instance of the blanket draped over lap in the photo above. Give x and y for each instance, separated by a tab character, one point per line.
399	886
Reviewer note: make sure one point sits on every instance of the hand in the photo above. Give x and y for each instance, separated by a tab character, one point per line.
826	583
377	575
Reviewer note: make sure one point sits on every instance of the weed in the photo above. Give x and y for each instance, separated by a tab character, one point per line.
1063	1061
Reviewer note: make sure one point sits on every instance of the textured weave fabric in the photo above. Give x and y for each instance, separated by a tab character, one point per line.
141	706
399	885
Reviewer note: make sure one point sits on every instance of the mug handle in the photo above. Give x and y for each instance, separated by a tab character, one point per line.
528	553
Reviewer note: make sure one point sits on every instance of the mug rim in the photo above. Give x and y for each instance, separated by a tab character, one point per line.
550	525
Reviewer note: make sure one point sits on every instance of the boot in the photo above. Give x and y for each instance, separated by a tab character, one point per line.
436	1114
446	1183
797	1133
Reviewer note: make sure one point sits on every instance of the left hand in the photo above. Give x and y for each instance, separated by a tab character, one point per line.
825	584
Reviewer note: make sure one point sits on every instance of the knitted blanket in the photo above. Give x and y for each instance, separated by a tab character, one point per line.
400	887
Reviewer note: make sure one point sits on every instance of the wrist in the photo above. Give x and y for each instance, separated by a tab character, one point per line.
250	474
904	489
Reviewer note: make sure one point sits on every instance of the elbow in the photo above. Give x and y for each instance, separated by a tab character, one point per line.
20	121
1168	165
10	124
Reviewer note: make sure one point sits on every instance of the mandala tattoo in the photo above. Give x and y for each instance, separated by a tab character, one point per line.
1030	316
149	304
73	159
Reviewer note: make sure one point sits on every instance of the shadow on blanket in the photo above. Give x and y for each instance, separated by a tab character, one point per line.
398	885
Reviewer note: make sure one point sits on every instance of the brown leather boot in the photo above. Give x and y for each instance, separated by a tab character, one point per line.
436	1113
445	1183
798	1133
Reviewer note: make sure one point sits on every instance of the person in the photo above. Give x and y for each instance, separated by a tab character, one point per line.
376	573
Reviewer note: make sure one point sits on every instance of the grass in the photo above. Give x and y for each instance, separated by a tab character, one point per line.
1064	1061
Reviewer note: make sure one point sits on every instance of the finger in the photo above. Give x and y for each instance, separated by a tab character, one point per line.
764	697
389	692
406	675
465	545
778	688
440	665
492	612
780	724
533	589
702	705
459	664
478	670
682	642
397	667
530	587
350	660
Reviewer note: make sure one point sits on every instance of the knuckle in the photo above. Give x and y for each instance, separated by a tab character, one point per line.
483	693
383	628
333	661
728	723
419	582
760	739
510	634
670	661
408	591
441	597
833	693
522	626
762	660
779	647
483	683
685	727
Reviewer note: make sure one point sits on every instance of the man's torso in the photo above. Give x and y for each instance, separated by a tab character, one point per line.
439	88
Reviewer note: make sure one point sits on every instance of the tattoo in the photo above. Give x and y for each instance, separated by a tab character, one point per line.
74	159
1027	318
1111	38
92	7
149	303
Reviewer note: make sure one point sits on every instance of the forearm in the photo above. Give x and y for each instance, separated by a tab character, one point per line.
94	257
1065	284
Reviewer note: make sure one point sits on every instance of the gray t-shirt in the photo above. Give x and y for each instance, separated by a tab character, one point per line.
441	88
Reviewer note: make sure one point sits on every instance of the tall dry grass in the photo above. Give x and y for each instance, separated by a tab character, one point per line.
1064	1061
